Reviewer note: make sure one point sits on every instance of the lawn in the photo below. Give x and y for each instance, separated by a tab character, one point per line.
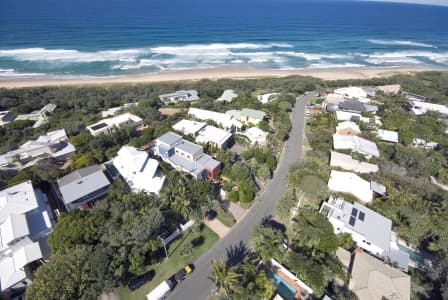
225	217
175	262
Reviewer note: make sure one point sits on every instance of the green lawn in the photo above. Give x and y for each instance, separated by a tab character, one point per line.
225	217
175	262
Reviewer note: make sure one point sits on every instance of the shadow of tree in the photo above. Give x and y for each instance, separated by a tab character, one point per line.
236	254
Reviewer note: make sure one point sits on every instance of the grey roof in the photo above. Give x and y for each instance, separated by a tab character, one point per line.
170	138
81	183
378	188
253	113
351	105
189	147
376	228
370	108
208	162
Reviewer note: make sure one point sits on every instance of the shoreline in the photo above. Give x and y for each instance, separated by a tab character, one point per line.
217	73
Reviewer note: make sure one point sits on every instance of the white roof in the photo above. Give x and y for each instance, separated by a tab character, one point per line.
189	127
18	199
115	121
138	170
213	134
350	183
348	125
356	144
346	162
351	93
256	135
224	120
266	98
227	96
423	143
334	98
419	107
159	292
387	135
182	95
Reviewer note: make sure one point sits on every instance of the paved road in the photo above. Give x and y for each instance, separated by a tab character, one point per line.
197	286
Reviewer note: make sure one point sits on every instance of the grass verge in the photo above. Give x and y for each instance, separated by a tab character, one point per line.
175	262
225	217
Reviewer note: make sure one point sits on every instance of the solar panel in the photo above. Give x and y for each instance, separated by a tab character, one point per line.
354	212
361	216
352	221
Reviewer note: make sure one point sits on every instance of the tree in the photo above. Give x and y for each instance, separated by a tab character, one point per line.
82	161
48	284
267	242
285	204
223	277
233	196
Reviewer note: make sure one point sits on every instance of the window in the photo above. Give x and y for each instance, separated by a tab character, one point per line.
354	212
352	221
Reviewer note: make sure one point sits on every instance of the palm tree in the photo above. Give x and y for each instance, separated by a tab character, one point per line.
266	241
223	277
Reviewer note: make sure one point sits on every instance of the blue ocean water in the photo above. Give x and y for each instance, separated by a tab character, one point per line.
117	37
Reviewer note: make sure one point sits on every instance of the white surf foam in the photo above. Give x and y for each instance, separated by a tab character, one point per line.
330	65
400	43
13	73
438	57
313	56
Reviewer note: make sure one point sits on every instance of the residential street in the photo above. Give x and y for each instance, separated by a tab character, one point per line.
197	285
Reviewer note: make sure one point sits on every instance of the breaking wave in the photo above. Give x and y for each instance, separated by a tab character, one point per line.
400	43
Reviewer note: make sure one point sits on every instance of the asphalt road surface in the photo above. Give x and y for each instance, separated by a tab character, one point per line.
197	286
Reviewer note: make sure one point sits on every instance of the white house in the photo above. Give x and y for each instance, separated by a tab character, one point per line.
40	117
346	162
349	116
387	135
107	126
424	144
180	96
204	133
256	136
353	93
138	170
369	230
113	110
227	96
5	117
226	121
266	98
26	221
350	183
54	144
419	108
356	144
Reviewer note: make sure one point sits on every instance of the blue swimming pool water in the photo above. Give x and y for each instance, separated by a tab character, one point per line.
414	255
284	289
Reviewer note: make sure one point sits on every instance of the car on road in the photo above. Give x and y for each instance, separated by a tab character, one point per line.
182	273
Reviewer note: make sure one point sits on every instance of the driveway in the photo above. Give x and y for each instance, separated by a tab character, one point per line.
197	286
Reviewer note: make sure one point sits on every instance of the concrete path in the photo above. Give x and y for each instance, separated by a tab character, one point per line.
220	229
197	286
237	211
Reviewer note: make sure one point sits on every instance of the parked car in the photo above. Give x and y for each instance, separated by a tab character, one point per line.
182	273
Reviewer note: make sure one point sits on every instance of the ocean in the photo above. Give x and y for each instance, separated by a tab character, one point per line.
98	38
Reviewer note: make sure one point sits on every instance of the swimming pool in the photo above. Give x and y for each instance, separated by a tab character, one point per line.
284	289
414	255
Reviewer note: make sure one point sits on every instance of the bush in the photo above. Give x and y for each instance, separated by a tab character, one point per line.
233	196
248	154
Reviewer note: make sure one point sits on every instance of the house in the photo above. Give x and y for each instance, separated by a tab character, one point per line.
266	98
205	133
389	89
189	127
5	117
387	135
256	136
52	145
107	126
348	128
414	97
351	116
355	106
350	183
353	93
40	117
214	136
225	121
26	220
186	156
419	108
227	96
372	279
180	96
248	116
425	144
346	162
138	170
83	186
356	144
369	230
113	110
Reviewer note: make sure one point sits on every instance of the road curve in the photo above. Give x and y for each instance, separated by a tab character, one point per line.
197	286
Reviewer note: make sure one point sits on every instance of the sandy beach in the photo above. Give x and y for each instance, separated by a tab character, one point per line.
216	73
